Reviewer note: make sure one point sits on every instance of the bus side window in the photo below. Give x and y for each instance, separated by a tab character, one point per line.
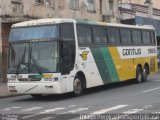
113	35
146	37
99	35
152	37
84	34
125	36
136	36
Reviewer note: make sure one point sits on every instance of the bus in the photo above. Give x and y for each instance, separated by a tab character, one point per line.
61	55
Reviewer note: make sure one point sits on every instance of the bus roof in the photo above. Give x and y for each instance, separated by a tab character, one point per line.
50	21
47	21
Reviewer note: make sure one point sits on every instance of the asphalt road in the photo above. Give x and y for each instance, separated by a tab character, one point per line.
123	99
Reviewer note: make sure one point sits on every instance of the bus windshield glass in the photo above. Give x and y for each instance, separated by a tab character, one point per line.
38	57
34	33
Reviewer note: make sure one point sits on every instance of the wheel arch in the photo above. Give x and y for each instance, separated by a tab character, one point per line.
139	65
81	75
147	65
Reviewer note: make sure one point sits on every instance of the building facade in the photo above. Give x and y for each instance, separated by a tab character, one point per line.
13	11
155	3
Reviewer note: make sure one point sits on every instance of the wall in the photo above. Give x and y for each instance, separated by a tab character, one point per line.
61	8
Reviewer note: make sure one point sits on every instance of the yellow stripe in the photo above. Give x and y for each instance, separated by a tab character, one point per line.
126	68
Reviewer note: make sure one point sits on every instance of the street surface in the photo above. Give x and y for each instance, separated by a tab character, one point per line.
120	98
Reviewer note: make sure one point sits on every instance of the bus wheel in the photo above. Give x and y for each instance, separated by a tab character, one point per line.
36	95
77	87
145	73
139	75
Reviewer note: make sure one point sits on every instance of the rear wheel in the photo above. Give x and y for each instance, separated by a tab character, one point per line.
139	75
145	73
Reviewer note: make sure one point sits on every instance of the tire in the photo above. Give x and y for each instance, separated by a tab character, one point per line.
139	75
36	96
77	87
145	73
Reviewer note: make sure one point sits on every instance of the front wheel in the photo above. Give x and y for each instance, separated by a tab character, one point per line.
77	87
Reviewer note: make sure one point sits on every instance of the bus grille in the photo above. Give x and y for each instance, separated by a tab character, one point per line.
29	79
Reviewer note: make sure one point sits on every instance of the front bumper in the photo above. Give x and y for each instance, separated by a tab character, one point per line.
35	88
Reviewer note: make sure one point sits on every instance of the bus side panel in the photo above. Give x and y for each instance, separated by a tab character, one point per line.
87	65
125	67
105	64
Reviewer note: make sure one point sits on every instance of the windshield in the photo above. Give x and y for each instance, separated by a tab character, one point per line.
38	57
34	33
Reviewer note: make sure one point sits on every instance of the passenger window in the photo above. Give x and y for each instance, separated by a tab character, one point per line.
113	35
146	37
136	36
152	37
84	34
99	35
125	36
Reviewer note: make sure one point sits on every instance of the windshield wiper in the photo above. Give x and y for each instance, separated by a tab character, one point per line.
21	61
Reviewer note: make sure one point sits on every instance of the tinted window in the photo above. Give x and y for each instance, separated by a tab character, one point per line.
136	36
152	36
84	34
67	32
113	35
146	37
125	36
99	35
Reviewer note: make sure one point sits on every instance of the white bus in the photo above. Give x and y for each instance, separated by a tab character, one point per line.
56	56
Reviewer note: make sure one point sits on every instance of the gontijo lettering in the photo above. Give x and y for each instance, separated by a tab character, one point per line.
132	51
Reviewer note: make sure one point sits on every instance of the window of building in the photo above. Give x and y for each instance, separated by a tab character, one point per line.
113	35
99	35
91	5
17	6
84	34
136	36
74	4
111	7
125	36
39	1
100	6
146	37
61	4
